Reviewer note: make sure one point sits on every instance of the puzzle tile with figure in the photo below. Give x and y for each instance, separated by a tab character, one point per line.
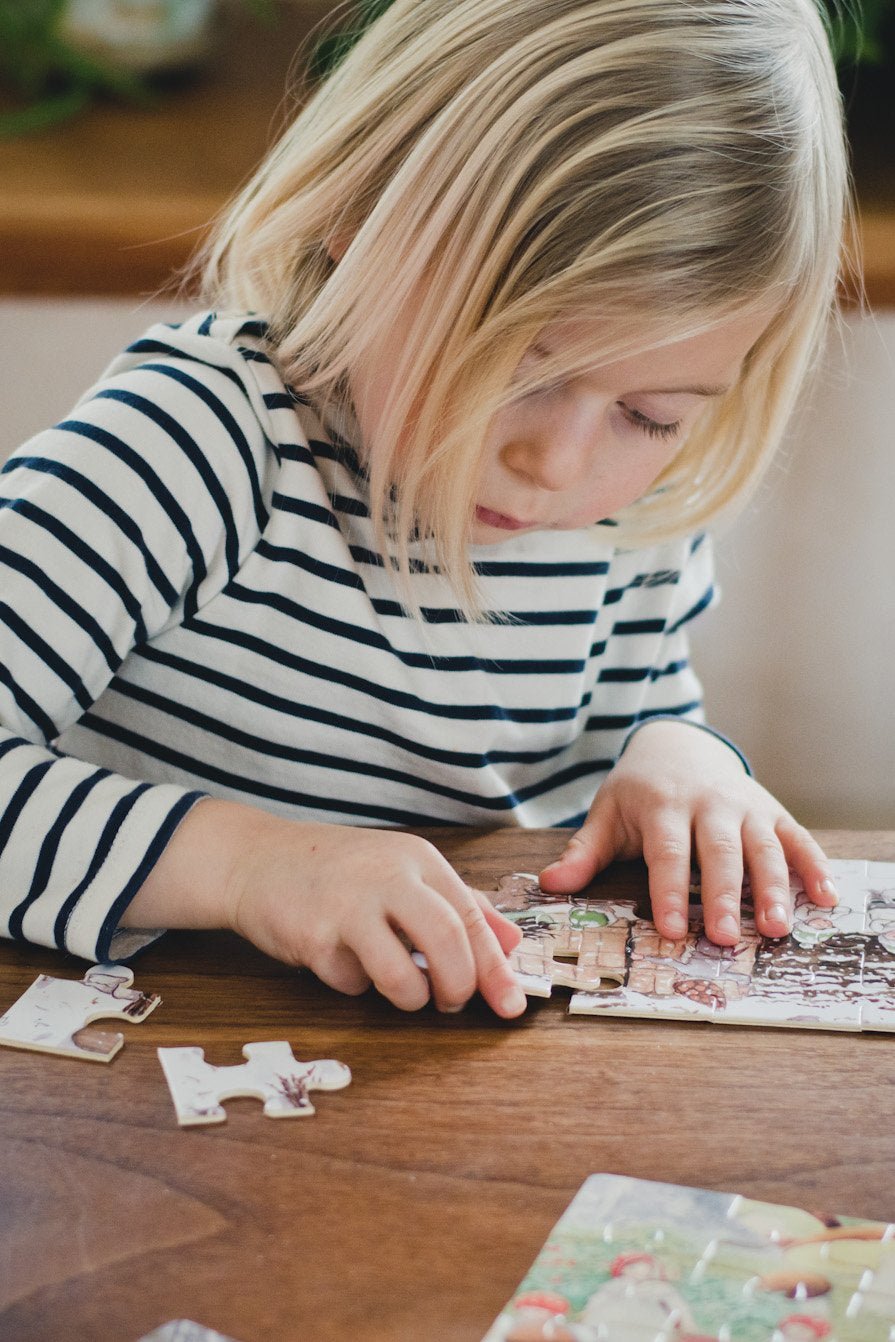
835	971
633	1261
55	1015
271	1073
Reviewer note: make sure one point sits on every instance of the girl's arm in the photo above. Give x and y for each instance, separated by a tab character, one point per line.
346	902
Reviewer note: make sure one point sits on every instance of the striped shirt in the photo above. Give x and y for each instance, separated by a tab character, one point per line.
193	604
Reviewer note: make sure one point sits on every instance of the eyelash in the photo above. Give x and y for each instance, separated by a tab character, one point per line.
651	426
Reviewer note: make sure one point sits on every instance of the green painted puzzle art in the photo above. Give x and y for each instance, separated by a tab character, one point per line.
633	1261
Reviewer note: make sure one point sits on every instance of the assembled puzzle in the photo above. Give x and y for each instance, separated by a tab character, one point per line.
835	971
633	1261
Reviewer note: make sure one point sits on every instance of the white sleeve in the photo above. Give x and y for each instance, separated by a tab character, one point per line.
113	525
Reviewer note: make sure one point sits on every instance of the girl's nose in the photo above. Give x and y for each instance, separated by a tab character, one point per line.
553	459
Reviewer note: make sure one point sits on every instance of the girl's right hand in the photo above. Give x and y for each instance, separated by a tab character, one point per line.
347	902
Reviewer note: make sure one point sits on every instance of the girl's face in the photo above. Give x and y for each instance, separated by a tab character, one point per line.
577	453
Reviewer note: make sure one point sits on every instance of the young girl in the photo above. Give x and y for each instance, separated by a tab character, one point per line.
408	528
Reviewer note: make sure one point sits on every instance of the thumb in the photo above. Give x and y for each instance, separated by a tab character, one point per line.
589	850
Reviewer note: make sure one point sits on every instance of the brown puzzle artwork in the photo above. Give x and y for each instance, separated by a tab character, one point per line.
835	971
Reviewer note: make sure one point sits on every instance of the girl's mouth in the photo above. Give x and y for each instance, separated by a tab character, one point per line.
487	517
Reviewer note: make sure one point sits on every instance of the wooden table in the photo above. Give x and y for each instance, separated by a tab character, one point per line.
410	1206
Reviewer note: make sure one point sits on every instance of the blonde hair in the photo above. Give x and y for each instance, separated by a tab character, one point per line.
662	164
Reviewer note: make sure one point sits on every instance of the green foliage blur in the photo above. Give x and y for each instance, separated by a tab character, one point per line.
45	80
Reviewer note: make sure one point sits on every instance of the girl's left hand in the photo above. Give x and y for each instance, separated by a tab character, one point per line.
679	794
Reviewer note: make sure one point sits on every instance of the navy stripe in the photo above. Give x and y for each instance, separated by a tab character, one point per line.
389	815
19	800
47	655
231	427
150	346
626	627
521	618
610	722
154	483
314	512
104	504
253	693
275	750
672	669
494	568
116	819
156	847
95	562
191	450
356	635
42	721
50	847
61	598
623	675
704	601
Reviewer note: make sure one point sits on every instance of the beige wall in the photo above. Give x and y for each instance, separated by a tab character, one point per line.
799	660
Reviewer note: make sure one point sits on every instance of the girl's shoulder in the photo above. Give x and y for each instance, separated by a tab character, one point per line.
210	344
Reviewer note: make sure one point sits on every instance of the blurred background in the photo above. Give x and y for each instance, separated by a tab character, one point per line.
126	124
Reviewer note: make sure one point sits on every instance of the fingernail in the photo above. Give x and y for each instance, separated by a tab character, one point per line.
514	1002
451	1010
778	914
729	926
675	924
828	888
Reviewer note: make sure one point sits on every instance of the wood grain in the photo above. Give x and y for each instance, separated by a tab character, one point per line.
413	1202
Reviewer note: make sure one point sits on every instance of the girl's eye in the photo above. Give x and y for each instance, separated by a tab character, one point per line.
650	426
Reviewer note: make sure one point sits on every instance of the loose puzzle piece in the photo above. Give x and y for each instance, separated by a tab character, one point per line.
54	1015
835	971
271	1074
184	1330
633	1261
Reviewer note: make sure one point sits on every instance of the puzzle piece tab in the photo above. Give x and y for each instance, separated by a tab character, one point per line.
54	1015
271	1074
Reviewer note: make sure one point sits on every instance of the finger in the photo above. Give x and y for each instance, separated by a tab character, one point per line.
463	953
719	846
599	840
666	852
494	977
388	964
341	969
769	878
507	933
806	857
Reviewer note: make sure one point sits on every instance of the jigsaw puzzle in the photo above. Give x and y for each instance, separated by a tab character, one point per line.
835	971
633	1261
54	1015
271	1074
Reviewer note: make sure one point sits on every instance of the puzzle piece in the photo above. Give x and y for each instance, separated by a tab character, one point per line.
271	1074
184	1330
835	971
54	1015
632	1261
